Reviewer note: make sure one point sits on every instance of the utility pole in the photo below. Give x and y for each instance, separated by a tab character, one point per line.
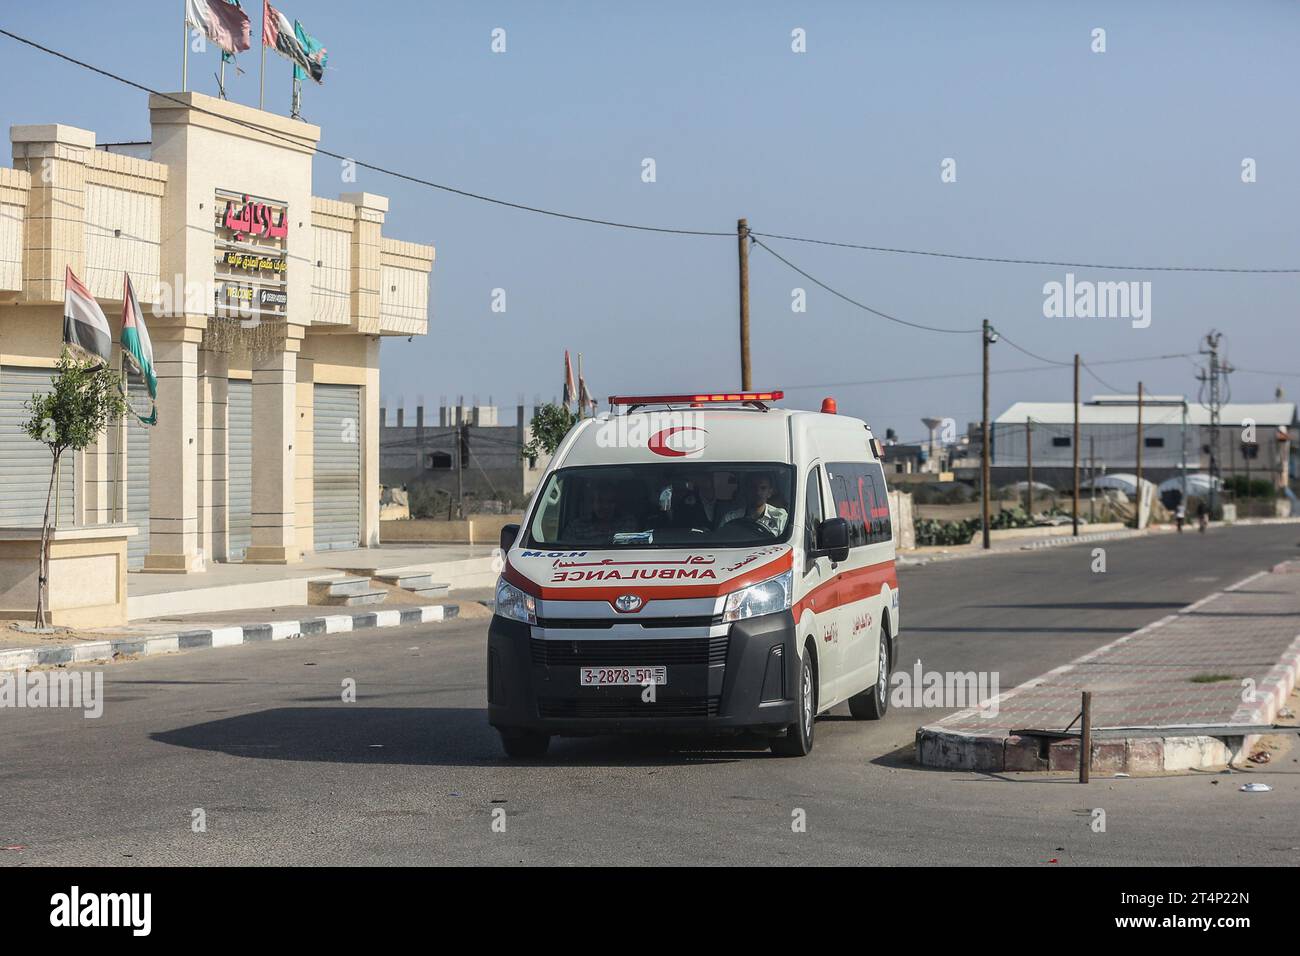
1029	468
742	242
460	458
989	337
1092	481
1074	444
1214	379
1137	514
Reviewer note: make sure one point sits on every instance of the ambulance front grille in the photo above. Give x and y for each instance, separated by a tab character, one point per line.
640	653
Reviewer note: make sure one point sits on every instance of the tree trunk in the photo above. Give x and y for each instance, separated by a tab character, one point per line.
42	576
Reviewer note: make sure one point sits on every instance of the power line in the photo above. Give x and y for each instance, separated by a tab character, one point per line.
884	315
572	217
364	165
1015	261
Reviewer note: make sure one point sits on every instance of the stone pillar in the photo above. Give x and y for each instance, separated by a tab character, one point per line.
214	445
370	448
174	452
55	223
275	420
366	272
305	444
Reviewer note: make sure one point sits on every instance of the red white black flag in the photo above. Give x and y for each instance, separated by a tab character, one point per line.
85	329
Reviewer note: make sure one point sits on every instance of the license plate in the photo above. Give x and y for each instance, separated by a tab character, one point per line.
622	676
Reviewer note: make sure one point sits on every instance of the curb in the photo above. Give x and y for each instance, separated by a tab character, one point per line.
232	636
1148	750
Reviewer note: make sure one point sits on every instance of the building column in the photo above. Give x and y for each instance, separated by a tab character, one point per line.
305	496
275	416
174	453
214	393
370	447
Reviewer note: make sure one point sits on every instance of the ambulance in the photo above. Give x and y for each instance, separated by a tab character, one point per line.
702	563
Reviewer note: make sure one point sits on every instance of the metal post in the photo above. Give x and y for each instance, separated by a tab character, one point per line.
1029	467
1085	738
742	241
185	54
261	71
1092	481
984	451
1074	442
1137	515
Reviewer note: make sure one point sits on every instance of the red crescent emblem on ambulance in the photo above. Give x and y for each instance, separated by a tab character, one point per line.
659	442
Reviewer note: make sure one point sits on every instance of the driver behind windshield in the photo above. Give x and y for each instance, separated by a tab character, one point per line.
605	520
759	490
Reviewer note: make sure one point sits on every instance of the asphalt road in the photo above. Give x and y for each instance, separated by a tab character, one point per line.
285	772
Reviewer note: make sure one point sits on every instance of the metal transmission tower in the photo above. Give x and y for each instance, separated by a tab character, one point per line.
1214	393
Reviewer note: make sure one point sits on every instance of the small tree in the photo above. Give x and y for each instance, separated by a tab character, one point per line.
85	400
550	424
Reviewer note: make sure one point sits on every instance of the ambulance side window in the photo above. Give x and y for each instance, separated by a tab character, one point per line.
858	490
812	510
883	526
843	477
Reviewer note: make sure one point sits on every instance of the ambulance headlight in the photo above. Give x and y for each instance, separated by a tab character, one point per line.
766	597
513	604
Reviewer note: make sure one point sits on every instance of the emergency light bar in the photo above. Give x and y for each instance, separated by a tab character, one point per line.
696	398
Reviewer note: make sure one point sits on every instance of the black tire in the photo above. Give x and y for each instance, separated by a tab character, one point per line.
798	739
522	744
873	703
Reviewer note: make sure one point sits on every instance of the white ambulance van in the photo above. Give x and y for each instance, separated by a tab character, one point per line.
701	563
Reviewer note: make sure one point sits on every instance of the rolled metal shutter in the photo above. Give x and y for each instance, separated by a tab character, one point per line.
25	463
336	466
239	462
137	476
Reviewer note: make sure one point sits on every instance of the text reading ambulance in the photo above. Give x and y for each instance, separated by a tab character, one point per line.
697	563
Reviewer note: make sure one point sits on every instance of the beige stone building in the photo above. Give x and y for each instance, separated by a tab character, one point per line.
265	303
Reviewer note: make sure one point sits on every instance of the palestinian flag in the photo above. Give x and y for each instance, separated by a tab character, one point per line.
136	347
569	391
281	35
316	53
85	330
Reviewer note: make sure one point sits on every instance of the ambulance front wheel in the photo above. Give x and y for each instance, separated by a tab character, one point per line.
525	743
798	739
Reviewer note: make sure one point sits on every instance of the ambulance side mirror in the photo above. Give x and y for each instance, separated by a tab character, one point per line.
833	539
508	534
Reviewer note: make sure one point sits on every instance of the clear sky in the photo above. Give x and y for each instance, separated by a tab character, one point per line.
1131	156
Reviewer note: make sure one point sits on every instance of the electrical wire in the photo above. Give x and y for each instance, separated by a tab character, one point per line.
835	292
1007	260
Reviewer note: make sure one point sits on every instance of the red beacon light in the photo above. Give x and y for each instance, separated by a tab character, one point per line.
697	398
828	406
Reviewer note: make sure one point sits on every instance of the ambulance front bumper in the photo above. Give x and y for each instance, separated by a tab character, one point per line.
720	678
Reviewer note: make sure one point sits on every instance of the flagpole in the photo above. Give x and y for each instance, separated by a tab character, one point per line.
261	73
581	409
185	54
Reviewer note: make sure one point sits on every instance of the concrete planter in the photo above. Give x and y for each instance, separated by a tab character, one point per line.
87	574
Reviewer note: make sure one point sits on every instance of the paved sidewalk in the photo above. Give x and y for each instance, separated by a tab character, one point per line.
1156	692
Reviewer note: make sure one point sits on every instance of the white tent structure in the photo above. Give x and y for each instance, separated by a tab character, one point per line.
1197	484
1120	481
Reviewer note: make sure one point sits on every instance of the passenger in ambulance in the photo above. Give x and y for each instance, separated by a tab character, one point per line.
699	507
605	520
760	491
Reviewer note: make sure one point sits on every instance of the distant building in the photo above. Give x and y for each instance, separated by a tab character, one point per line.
1171	427
468	439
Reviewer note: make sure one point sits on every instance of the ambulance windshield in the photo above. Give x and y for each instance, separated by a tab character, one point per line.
665	505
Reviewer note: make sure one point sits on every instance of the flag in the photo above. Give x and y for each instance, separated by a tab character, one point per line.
584	396
223	23
136	347
85	329
279	34
569	390
315	53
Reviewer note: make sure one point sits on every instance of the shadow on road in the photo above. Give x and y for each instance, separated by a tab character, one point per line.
432	736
